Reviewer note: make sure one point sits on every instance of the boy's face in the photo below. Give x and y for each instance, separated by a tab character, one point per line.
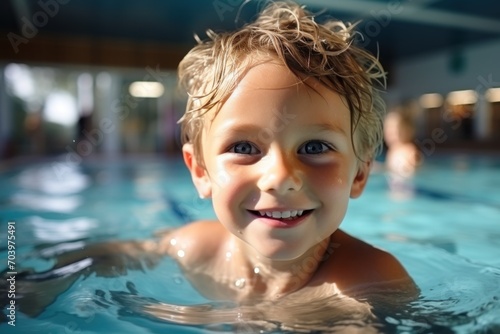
283	149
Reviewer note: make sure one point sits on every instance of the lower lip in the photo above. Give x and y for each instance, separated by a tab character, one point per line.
278	223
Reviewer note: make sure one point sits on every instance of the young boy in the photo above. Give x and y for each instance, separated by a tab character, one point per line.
282	124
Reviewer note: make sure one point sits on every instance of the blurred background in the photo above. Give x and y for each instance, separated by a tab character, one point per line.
93	78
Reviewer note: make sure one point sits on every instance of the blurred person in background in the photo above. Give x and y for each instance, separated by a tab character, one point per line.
403	157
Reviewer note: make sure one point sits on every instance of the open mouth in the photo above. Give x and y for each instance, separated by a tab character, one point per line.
282	215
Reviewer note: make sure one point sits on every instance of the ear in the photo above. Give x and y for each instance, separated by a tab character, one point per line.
359	182
198	173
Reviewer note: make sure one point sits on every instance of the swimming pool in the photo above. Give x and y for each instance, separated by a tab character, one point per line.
445	230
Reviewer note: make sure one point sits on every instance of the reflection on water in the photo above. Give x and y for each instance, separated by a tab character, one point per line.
40	188
330	313
63	204
45	179
46	230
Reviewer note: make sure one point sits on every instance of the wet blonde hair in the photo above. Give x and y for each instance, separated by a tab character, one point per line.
288	32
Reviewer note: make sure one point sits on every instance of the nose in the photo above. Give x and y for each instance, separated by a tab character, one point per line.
280	173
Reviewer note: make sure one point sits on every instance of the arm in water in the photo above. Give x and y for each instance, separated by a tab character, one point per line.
37	290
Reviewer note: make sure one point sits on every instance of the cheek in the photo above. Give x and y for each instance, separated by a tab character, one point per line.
330	181
230	184
232	192
333	190
223	176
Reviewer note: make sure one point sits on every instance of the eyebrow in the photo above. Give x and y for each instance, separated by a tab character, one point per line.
235	128
328	127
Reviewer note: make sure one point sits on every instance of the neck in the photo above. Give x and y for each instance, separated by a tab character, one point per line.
270	279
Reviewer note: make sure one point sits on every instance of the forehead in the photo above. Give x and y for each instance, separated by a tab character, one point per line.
271	87
268	75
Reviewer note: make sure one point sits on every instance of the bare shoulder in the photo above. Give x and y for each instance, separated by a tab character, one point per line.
355	264
195	243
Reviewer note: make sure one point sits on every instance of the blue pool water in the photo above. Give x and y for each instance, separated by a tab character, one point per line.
445	229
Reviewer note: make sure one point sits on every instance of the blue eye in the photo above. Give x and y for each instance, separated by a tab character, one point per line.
314	147
243	148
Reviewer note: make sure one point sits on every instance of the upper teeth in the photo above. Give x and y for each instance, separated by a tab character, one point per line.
281	214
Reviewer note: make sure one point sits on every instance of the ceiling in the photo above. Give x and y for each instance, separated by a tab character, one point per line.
400	29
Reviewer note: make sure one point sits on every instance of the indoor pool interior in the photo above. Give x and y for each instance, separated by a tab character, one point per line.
98	98
443	226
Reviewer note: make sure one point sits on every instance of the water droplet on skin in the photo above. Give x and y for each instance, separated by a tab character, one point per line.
173	242
239	232
256	270
180	253
240	283
228	255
